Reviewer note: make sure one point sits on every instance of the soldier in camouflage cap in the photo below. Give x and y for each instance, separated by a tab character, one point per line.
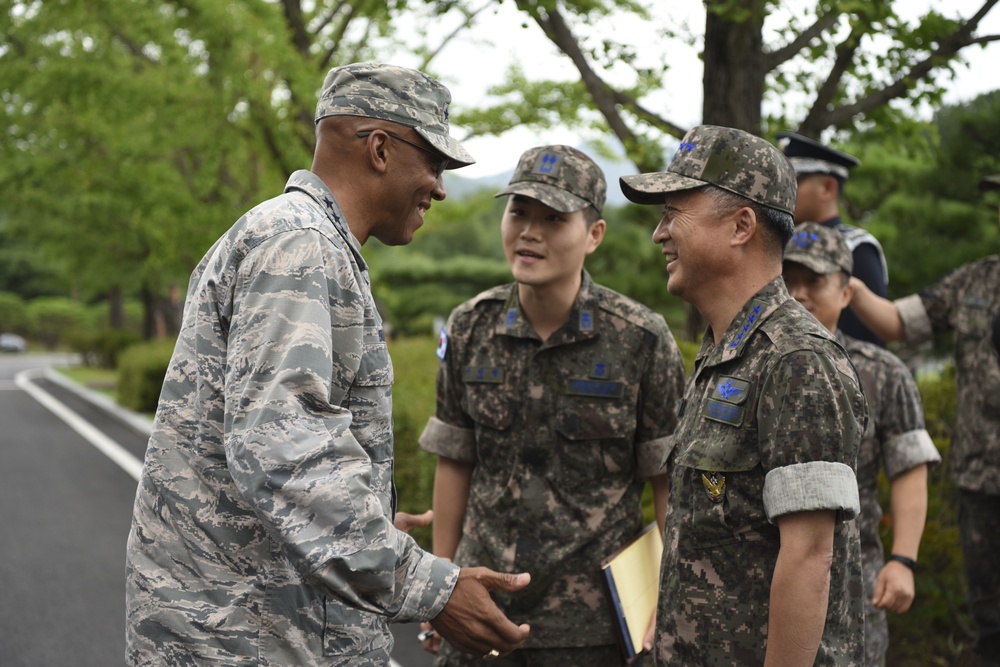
821	172
555	401
264	530
817	272
761	557
966	302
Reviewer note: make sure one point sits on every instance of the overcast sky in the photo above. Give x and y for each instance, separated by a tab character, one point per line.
479	60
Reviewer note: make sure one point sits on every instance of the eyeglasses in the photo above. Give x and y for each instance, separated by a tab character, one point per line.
443	161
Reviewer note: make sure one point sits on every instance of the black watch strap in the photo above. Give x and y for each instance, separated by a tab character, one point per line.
908	562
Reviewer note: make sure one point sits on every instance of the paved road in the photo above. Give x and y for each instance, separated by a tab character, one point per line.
65	503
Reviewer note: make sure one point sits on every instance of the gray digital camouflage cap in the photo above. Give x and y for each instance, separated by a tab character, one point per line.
725	157
558	176
820	249
397	94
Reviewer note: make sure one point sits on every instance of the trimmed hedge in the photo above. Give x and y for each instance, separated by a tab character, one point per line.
141	369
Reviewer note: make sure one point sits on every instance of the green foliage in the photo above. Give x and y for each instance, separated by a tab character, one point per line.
13	314
141	369
102	348
413	399
54	317
937	626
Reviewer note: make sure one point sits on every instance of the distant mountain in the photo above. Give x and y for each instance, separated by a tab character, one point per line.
459	186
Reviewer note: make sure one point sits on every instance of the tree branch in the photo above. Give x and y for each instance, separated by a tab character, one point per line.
469	16
812	125
947	49
779	56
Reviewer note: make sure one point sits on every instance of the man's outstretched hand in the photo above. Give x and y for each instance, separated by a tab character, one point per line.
472	622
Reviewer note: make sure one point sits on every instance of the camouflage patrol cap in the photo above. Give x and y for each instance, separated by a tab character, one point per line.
397	94
558	176
820	249
727	158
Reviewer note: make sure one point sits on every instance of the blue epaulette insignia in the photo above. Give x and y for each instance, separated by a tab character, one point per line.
442	348
511	317
586	320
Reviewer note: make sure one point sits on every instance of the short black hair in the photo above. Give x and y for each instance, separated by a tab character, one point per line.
778	225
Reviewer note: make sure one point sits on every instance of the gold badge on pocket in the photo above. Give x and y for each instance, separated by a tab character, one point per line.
715	485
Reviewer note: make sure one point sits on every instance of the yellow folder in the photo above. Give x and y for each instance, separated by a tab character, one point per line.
631	577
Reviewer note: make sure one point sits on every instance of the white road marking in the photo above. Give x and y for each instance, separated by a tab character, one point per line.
118	454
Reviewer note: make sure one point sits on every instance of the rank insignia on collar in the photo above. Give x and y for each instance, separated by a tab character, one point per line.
715	485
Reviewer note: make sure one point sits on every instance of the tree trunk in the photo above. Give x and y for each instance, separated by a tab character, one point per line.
116	308
734	81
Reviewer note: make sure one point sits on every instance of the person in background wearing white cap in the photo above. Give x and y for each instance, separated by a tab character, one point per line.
263	528
821	173
966	302
761	557
817	272
555	403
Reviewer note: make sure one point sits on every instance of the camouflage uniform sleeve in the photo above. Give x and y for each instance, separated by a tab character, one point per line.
450	433
811	416
930	312
900	428
661	389
295	347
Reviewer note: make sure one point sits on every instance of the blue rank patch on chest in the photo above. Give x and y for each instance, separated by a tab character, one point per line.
725	403
483	374
594	388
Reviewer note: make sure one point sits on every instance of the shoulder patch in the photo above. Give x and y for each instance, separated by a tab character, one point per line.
442	348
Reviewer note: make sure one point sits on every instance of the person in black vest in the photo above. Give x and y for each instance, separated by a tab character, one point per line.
821	172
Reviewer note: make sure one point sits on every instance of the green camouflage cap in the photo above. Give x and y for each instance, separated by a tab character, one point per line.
725	157
990	182
820	249
558	176
397	94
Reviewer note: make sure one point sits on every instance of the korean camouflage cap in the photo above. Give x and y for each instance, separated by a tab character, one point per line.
820	249
558	176
397	94
727	158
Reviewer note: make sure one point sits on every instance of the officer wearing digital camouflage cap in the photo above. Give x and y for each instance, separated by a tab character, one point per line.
817	272
761	561
263	529
821	172
966	302
555	400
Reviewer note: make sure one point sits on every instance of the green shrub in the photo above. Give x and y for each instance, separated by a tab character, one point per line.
141	369
413	402
53	317
101	349
936	629
13	314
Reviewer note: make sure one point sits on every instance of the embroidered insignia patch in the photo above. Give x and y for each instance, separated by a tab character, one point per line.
731	390
586	320
976	301
727	413
594	388
715	485
805	239
442	348
600	371
511	318
547	163
746	327
483	374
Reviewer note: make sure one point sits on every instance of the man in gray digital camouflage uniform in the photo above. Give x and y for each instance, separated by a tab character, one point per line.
555	400
761	559
817	273
263	530
967	302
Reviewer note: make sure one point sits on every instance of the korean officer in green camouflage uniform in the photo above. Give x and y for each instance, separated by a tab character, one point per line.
817	272
263	528
966	302
555	400
761	557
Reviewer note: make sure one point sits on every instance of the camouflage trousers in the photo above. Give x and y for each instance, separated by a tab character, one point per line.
576	656
979	527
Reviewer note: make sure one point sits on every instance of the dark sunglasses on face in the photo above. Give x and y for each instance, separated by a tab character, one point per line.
443	161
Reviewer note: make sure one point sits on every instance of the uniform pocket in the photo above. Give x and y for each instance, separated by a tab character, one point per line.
593	445
351	633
